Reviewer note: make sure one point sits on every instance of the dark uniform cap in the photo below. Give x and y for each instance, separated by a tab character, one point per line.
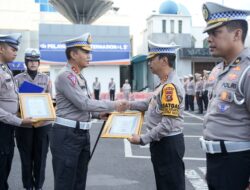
12	40
32	54
82	41
155	49
216	15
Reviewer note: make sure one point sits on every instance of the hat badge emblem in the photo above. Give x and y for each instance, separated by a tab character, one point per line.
33	52
89	40
205	12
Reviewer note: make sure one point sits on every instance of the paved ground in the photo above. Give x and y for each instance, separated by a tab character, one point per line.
117	165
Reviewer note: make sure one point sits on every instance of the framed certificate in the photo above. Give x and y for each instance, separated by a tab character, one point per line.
39	106
123	125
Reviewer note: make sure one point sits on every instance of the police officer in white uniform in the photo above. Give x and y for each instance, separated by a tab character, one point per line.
112	89
126	89
164	120
191	92
8	106
205	88
186	80
32	142
97	88
198	92
226	138
69	138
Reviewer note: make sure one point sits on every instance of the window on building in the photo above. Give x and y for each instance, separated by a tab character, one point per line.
163	26
180	26
45	6
51	9
172	26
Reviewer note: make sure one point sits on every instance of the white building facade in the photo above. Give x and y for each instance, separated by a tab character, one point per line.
173	23
39	23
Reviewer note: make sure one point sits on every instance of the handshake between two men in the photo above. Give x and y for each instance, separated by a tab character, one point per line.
122	105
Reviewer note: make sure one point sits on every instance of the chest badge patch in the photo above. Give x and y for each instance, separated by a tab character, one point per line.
223	107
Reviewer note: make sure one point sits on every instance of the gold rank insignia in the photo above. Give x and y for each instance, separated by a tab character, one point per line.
170	101
205	12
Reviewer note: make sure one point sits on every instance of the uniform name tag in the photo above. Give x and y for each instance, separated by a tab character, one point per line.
170	101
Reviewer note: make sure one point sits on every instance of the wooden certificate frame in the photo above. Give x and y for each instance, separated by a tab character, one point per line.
123	125
39	106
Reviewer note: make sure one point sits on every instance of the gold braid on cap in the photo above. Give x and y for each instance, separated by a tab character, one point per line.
218	20
152	54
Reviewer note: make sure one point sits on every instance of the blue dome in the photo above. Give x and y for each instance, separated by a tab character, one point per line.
168	7
183	10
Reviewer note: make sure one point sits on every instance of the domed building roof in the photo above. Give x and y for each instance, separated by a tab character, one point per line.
183	10
171	7
168	7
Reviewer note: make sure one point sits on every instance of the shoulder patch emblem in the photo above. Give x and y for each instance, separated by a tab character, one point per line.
72	79
170	101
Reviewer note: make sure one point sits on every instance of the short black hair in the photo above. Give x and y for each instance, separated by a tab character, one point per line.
74	49
238	24
171	58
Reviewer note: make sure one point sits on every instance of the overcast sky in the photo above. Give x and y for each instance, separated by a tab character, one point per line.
140	9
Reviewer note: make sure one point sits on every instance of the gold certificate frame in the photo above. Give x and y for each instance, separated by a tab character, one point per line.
123	125
39	106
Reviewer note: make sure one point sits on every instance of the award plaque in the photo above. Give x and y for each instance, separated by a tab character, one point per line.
39	106
123	125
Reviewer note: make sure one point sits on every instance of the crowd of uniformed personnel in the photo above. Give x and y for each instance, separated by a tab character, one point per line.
196	88
226	135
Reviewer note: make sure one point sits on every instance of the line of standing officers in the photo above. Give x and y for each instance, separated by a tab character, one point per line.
196	88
